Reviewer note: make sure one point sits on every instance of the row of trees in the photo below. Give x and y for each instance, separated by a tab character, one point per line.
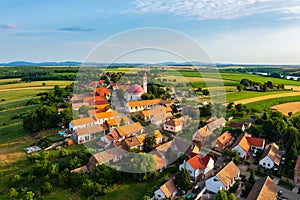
247	84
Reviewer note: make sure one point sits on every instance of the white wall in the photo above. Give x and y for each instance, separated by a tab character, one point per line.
213	184
267	161
158	194
241	152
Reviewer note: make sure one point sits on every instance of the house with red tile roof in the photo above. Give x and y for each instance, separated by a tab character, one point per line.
297	172
224	179
263	189
244	143
135	106
198	166
104	116
222	142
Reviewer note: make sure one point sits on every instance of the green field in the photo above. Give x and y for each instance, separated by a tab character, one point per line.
34	84
235	96
266	104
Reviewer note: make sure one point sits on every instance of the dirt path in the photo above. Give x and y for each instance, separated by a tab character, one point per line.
254	99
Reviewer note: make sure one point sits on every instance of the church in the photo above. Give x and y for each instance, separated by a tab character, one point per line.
135	91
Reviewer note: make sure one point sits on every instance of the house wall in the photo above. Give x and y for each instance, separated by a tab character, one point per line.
240	151
269	164
213	184
159	195
210	166
193	173
297	177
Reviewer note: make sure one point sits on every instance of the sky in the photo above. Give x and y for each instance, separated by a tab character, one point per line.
228	31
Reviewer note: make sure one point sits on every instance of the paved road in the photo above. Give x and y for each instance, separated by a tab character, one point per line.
289	194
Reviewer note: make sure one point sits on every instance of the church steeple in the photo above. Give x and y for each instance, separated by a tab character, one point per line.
145	82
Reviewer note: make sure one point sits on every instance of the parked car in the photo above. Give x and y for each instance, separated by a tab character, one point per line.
196	189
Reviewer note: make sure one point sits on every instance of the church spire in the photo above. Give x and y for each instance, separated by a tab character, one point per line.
145	82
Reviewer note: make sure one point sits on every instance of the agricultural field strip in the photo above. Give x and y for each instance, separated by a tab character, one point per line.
285	108
260	98
35	84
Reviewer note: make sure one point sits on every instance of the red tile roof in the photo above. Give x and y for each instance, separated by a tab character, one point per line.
258	142
225	137
199	163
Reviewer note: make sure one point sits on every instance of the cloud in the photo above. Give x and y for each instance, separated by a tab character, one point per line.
7	26
76	29
216	9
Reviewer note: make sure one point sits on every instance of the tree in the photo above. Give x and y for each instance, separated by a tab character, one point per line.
13	193
239	88
199	89
230	105
54	169
182	179
29	195
221	195
57	91
47	187
205	92
149	144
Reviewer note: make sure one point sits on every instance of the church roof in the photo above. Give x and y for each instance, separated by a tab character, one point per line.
135	89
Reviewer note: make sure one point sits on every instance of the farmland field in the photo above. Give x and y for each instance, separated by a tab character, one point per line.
268	103
287	107
34	84
236	96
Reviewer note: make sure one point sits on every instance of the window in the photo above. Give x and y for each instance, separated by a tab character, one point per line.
158	195
264	164
268	164
167	127
172	128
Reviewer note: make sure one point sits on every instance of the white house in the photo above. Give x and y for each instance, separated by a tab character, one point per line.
88	133
224	179
135	106
198	165
82	123
174	125
104	116
271	157
167	190
244	143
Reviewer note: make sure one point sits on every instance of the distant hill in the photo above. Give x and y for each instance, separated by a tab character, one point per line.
192	63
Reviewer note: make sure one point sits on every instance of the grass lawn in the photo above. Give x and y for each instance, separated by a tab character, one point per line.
133	191
266	104
235	96
18	95
286	185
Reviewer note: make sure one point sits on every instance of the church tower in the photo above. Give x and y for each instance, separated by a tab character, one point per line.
145	82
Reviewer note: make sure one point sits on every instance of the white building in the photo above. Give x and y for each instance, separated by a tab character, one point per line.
224	179
198	166
135	91
167	190
271	157
82	123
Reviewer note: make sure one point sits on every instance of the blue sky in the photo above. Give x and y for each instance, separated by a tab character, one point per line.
230	31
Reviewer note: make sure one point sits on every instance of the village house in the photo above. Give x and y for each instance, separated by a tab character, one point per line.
167	190
237	125
130	130
83	135
160	164
116	122
222	142
174	125
216	123
131	143
244	143
135	106
104	116
198	166
157	135
102	92
201	134
146	115
224	179
271	157
82	123
297	172
92	113
109	157
263	189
